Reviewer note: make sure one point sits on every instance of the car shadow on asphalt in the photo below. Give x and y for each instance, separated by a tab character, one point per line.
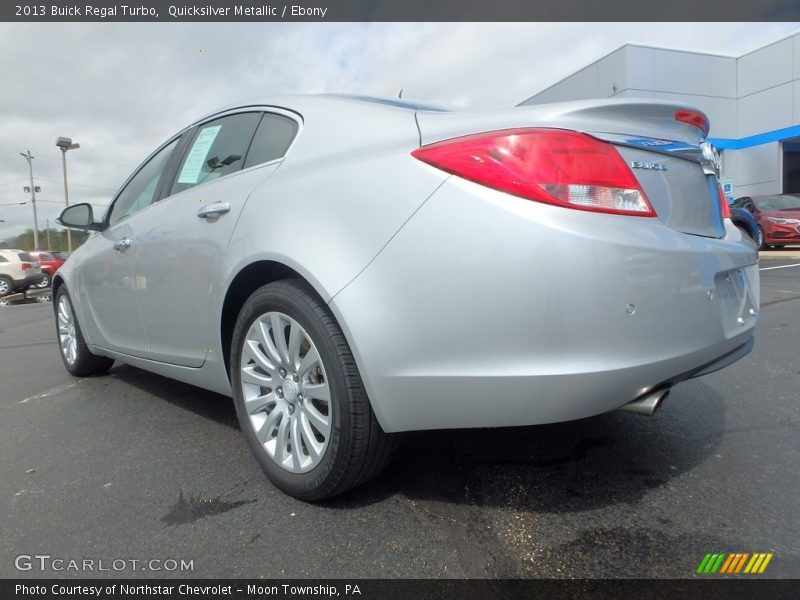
615	458
203	403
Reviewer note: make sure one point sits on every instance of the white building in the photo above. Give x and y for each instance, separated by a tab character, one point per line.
752	101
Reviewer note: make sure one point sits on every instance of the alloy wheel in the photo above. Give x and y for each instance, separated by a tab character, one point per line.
286	392
66	331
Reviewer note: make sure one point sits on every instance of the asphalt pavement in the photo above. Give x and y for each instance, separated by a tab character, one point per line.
135	467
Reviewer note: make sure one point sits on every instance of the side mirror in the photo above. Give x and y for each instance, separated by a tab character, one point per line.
78	216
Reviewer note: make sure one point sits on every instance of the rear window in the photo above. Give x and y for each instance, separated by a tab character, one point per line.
24	256
45	256
273	137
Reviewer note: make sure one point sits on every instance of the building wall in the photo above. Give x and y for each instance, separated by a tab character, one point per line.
745	98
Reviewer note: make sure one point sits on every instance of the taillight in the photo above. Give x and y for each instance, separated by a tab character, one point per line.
723	203
555	166
26	265
695	118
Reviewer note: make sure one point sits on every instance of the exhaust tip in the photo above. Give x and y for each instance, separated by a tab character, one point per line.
648	404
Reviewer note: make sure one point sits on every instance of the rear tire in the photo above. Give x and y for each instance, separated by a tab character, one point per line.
78	360
45	282
763	245
6	286
287	355
746	234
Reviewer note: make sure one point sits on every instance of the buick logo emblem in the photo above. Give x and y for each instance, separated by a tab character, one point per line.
711	156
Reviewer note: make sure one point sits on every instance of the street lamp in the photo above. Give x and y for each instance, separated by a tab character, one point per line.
33	189
65	144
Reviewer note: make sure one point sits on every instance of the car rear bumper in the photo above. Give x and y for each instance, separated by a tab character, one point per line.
28	281
488	310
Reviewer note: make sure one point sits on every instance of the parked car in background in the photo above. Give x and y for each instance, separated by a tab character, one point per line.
18	271
50	264
777	216
60	254
747	224
349	268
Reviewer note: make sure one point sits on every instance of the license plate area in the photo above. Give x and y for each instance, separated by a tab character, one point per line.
738	298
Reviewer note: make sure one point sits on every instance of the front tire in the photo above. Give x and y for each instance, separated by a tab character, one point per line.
78	360
299	397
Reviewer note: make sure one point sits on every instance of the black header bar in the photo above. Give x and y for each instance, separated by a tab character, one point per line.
399	10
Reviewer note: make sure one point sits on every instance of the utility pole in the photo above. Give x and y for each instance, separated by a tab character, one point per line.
29	157
48	235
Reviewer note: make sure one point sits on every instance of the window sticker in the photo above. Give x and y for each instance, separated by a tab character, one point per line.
196	158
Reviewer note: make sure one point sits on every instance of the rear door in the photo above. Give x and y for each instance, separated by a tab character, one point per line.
180	258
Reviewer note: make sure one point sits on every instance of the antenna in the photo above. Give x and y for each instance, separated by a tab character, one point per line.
400	95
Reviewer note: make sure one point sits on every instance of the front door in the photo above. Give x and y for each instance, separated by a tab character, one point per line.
107	274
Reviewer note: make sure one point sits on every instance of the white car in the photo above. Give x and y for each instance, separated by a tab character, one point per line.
18	271
350	268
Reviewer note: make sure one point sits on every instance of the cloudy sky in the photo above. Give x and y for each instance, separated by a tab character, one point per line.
120	89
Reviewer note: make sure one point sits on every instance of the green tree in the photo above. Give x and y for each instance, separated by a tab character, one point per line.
58	240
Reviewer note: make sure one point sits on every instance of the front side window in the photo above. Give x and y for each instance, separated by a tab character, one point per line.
218	149
141	190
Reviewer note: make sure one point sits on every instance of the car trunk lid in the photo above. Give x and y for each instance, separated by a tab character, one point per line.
665	154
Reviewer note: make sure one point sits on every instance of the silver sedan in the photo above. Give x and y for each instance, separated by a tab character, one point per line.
350	268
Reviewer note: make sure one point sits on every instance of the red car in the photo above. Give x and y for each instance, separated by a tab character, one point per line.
777	216
50	264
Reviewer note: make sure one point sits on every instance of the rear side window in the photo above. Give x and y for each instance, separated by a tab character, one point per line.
218	149
3	259
273	137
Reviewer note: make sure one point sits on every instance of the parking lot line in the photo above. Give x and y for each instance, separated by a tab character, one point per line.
779	267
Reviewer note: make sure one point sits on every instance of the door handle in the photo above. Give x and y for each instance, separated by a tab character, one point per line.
213	210
122	245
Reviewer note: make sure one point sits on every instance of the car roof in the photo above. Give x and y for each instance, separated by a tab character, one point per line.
301	103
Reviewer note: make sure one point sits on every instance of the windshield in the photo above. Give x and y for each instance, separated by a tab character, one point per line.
778	202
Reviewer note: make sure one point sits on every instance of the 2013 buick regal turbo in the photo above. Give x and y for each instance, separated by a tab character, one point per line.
349	268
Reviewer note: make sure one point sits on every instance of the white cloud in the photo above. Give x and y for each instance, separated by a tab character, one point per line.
119	89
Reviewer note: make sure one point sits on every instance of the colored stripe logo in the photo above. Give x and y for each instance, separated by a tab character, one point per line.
734	562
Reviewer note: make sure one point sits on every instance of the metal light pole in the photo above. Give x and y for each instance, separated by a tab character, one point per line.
65	143
29	158
49	247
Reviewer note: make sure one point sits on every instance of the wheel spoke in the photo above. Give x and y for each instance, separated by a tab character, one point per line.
273	417
320	391
278	327
266	340
282	441
297	445
320	421
312	445
310	360
252	350
259	403
295	341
